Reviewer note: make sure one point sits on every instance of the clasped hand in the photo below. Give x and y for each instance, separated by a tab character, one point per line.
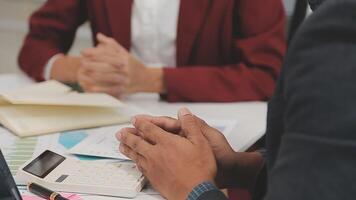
110	68
176	155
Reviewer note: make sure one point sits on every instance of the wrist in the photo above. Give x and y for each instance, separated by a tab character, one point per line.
153	80
247	166
187	189
239	170
200	189
65	69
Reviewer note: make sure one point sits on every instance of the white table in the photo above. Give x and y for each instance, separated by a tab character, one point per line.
251	116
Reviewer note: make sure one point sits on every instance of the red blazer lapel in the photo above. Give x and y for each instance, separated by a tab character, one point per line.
191	18
119	15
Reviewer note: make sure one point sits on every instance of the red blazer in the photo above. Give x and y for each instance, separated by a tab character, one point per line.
227	50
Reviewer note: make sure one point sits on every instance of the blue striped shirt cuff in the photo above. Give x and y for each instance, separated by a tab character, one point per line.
201	189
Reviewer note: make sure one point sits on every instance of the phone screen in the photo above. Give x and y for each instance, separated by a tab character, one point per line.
44	164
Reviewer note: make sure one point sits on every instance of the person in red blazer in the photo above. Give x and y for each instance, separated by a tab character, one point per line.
226	50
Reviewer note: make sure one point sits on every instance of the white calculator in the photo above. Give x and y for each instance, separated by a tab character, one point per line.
58	173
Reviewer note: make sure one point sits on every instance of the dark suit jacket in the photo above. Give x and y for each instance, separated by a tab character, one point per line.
227	50
311	134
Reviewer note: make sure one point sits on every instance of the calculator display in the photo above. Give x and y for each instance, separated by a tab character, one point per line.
44	164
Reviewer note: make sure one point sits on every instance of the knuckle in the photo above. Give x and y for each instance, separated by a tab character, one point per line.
190	123
123	149
139	160
139	144
189	119
124	130
140	124
128	130
144	126
135	145
123	137
133	156
148	126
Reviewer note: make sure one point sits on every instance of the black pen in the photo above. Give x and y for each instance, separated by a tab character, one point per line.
44	192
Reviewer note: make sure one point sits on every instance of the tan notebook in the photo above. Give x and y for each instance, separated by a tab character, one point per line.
51	107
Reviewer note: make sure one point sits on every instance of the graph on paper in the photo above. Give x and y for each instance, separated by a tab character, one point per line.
18	151
104	144
21	151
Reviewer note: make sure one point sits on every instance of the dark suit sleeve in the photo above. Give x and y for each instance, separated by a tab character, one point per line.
316	159
51	31
213	195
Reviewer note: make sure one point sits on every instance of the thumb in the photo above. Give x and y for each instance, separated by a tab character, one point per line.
189	126
208	131
105	40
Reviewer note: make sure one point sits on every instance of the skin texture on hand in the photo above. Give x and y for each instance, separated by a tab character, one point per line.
65	69
235	169
111	69
173	164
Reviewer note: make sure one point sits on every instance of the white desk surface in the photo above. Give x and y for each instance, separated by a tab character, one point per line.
251	116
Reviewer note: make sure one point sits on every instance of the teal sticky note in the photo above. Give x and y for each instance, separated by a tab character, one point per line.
88	158
71	138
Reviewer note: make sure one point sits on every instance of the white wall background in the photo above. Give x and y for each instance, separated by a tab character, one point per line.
13	26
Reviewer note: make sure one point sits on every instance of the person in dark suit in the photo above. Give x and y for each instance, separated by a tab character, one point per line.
310	139
201	50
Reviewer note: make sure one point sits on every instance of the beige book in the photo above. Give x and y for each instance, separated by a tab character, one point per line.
55	93
51	107
47	87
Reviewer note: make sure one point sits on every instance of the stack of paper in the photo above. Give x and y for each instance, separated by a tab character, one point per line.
50	107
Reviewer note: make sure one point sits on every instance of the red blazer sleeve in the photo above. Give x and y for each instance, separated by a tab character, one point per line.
260	46
52	31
